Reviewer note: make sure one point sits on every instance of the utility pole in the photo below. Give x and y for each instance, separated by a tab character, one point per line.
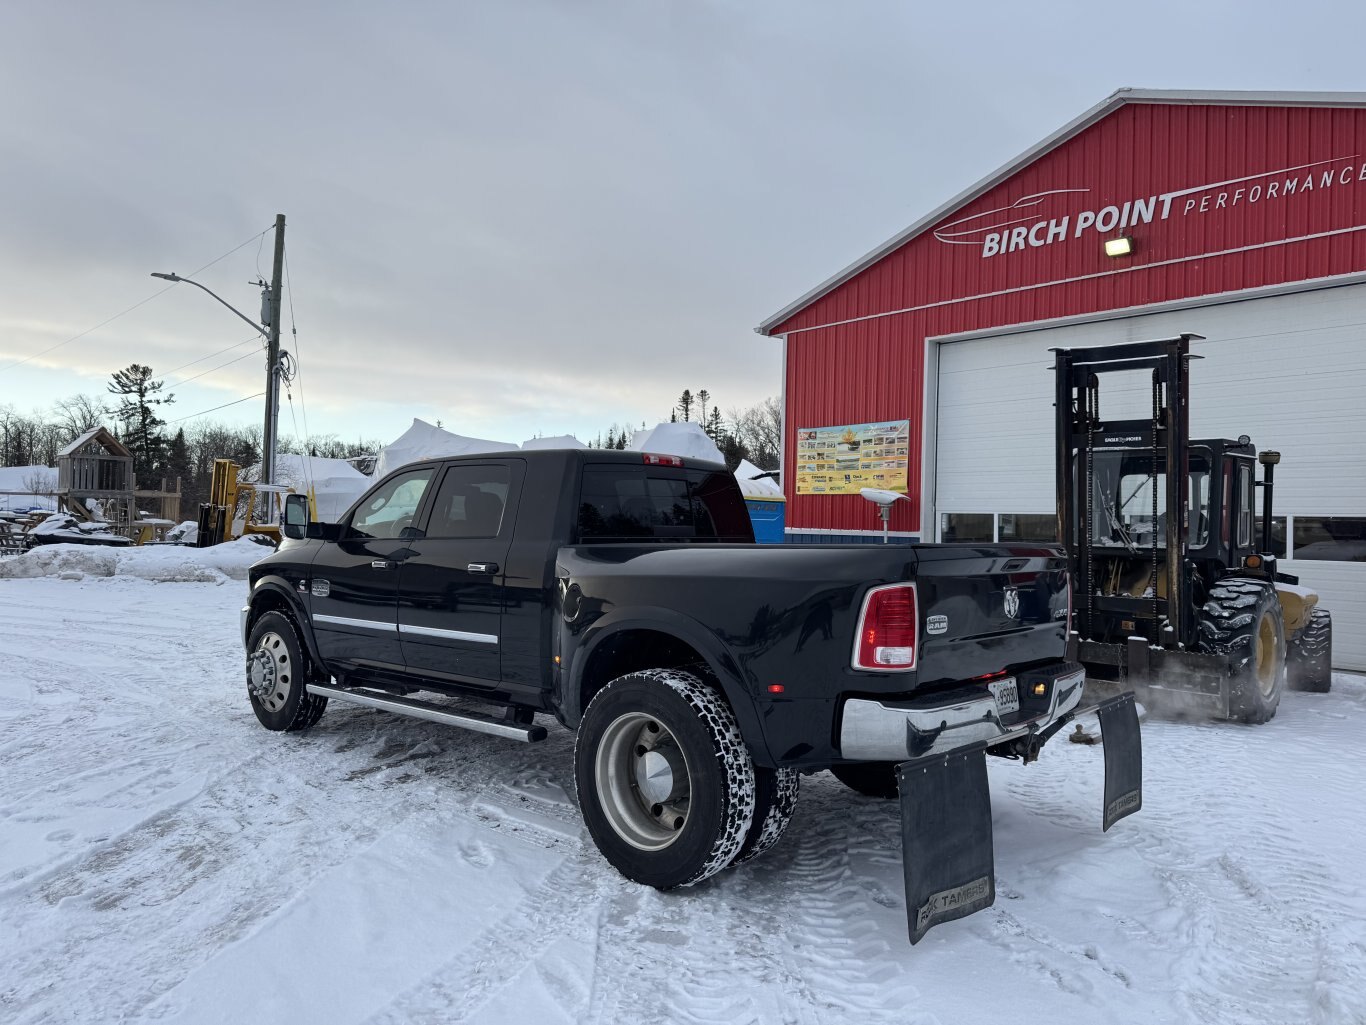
273	359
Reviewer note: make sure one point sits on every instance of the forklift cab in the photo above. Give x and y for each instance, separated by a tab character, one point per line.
1218	507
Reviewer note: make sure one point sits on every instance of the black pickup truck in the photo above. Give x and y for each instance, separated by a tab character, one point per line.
623	594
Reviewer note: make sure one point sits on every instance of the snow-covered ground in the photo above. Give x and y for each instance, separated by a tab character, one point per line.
164	858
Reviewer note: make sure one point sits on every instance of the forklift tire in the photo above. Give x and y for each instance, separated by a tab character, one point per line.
1309	656
1242	621
872	779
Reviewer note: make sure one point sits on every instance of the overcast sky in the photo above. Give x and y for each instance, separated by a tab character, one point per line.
528	218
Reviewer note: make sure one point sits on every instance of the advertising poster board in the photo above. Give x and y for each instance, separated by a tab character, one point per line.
841	460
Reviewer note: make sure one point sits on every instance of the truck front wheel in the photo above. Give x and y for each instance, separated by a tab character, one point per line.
278	671
664	779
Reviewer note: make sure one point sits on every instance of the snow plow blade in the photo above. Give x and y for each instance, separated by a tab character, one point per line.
947	853
1123	758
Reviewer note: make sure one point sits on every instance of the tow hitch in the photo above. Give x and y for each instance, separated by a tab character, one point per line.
947	849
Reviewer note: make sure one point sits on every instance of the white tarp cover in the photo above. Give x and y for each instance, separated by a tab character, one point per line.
687	440
558	441
427	441
752	485
335	482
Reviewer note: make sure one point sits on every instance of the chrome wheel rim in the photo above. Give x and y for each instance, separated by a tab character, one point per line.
269	672
642	781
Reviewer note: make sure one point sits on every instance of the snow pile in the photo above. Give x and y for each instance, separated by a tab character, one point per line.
687	440
158	563
426	441
558	441
336	483
753	485
24	479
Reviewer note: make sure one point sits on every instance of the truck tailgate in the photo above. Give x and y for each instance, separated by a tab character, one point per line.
985	610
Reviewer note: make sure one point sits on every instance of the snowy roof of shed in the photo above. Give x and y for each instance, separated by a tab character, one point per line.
1107	106
111	444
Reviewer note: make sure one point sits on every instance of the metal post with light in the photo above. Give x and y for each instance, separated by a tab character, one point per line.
270	316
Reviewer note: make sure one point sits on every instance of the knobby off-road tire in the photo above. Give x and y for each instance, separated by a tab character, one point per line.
872	779
1309	655
664	779
1242	621
775	798
278	671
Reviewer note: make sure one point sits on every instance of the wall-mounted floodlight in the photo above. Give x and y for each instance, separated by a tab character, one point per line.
1122	246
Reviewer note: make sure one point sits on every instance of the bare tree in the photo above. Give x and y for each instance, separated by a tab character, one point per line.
78	414
760	429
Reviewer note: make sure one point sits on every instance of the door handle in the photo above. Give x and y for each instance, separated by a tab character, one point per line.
482	567
381	564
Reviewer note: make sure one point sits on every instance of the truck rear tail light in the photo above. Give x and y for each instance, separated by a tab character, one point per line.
888	629
653	459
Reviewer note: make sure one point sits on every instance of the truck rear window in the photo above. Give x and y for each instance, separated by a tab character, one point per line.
621	503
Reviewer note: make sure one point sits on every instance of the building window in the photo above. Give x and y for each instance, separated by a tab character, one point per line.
966	527
1277	536
1330	538
1036	527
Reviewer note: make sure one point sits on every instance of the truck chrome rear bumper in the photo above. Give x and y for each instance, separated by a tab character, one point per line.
897	730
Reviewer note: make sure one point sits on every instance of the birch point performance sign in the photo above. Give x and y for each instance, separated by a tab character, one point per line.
841	460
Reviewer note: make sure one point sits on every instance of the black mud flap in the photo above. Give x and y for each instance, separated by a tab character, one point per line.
946	841
1123	758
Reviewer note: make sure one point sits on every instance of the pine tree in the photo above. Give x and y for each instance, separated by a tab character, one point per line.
715	429
178	460
685	404
137	413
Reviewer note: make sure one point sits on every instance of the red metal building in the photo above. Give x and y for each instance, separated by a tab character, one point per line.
1244	215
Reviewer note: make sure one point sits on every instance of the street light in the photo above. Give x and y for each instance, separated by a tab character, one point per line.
272	337
177	278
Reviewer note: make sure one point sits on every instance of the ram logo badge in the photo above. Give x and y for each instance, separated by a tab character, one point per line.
322	588
1012	602
937	625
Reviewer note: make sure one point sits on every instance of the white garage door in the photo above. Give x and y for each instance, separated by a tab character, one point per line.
1288	370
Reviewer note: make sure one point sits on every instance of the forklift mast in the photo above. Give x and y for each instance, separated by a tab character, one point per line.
1082	432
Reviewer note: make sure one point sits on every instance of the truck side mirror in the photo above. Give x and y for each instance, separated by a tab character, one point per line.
296	517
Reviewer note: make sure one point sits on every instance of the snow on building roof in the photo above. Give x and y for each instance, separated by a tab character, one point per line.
558	441
427	441
686	439
105	438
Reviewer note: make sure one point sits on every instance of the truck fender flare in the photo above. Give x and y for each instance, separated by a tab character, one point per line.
720	662
279	586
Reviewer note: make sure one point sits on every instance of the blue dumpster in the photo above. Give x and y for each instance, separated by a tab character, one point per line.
769	516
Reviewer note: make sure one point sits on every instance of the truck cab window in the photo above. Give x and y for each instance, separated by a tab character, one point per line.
387	511
471	502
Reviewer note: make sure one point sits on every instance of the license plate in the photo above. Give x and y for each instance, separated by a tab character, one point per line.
1007	695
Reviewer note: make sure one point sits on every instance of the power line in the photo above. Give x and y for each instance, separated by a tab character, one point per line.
144	302
235	345
215	408
206	373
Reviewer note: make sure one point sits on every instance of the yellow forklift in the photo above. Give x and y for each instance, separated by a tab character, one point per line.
1176	593
231	510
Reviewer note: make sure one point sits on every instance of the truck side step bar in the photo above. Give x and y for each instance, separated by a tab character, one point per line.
476	721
